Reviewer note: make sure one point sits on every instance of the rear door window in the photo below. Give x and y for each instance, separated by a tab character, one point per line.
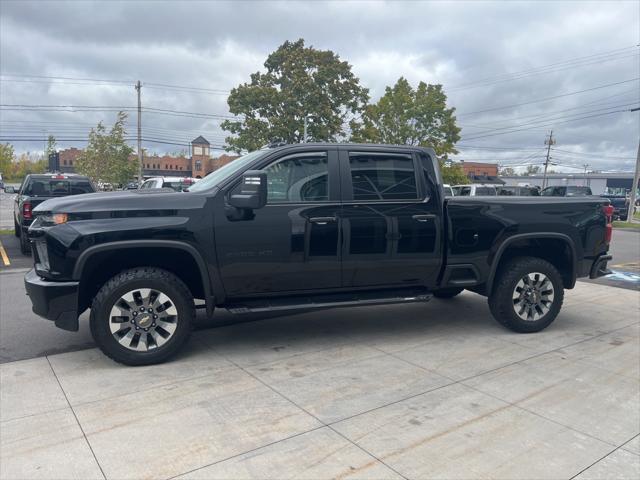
383	177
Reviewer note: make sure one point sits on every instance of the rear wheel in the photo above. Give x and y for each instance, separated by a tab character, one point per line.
447	292
142	316
16	229
528	295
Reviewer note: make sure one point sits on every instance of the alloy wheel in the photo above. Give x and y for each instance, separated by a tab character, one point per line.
143	319
533	296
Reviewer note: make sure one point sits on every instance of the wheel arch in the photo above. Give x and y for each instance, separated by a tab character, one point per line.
538	245
98	263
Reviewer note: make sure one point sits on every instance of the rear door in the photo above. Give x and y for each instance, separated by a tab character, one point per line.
391	218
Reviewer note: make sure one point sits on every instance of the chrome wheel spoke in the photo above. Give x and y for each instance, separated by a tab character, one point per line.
143	319
533	296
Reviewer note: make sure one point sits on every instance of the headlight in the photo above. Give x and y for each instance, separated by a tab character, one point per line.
53	218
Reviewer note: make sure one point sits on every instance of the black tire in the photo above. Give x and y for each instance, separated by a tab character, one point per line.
25	246
505	308
111	292
16	229
447	292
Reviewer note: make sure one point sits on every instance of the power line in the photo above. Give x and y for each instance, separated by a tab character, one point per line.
549	98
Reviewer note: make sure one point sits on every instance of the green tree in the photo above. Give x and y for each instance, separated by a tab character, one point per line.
408	116
507	171
51	146
106	157
453	173
531	170
299	82
7	156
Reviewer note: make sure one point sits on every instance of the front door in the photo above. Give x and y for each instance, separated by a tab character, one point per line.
391	219
291	244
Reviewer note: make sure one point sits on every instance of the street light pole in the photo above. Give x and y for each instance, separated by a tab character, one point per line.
548	142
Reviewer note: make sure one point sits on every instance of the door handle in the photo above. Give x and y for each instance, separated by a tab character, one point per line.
423	218
322	220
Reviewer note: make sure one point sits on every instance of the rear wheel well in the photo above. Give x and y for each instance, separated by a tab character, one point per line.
556	251
101	266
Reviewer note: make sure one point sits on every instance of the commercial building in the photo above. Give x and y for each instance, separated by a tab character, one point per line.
199	164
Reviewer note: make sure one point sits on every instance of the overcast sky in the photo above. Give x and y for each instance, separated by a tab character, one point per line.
488	55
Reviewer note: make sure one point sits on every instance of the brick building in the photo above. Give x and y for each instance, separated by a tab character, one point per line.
198	165
480	172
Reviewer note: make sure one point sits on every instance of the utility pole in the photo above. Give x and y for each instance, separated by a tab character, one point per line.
586	165
634	188
549	141
139	89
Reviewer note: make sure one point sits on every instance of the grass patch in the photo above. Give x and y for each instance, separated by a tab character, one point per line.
6	231
633	226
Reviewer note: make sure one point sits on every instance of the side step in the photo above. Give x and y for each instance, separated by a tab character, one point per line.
330	300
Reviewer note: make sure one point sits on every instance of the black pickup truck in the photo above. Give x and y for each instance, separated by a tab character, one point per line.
302	227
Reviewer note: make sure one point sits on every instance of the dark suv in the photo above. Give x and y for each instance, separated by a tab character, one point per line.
35	189
566	191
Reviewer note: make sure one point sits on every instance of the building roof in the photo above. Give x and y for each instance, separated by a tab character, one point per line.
200	141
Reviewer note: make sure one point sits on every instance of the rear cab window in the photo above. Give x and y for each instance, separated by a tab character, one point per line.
54	186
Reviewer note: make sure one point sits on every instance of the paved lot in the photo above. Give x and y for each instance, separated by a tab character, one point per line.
409	391
6	210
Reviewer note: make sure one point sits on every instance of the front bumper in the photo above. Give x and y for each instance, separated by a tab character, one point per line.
57	301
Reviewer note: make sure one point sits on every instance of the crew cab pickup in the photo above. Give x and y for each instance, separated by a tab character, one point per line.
301	227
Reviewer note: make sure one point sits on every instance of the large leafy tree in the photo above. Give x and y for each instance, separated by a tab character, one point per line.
299	81
408	116
106	157
7	155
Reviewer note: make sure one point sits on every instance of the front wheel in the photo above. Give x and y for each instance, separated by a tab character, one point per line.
25	246
142	316
527	295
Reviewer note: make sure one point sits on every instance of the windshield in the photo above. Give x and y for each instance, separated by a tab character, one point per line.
221	174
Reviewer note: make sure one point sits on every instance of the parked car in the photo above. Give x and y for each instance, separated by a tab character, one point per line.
566	191
620	203
518	191
178	184
448	191
474	190
304	226
35	189
1	182
132	186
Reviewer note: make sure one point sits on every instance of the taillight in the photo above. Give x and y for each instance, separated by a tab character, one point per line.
26	211
608	231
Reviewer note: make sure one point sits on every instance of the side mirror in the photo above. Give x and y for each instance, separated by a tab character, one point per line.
9	190
253	191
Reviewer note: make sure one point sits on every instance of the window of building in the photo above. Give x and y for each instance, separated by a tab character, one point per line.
197	150
64	162
298	178
198	164
383	177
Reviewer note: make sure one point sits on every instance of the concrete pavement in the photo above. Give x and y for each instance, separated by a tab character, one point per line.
404	391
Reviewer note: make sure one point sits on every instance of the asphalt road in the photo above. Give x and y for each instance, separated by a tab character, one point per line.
24	335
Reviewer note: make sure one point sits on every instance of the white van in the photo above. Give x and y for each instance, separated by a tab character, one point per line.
474	190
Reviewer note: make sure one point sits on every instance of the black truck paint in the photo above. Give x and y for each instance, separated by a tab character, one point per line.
335	243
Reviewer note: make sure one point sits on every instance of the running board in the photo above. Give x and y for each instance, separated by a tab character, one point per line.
333	300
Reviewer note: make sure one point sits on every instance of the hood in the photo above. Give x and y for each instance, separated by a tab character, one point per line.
128	200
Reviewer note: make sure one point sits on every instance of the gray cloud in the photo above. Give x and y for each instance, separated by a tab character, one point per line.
216	45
